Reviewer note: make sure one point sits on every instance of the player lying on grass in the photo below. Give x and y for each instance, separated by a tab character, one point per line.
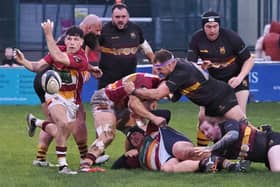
165	149
234	140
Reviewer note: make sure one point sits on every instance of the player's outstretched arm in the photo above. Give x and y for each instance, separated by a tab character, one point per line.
55	52
34	66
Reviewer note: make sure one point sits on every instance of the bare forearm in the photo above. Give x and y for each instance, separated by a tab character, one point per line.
246	68
55	52
31	65
150	56
148	93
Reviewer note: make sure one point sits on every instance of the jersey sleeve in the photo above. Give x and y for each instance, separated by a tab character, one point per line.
176	80
192	54
48	58
239	47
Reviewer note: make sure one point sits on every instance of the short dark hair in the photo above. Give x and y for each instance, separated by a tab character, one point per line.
163	55
75	31
119	6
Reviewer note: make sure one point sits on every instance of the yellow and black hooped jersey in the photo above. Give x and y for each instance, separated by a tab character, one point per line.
251	144
190	80
227	53
118	51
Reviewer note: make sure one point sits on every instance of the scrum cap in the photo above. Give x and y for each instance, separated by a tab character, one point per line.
210	16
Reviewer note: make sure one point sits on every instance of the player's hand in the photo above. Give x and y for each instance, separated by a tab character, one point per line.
129	87
234	82
206	64
47	27
18	56
95	71
201	152
159	121
131	153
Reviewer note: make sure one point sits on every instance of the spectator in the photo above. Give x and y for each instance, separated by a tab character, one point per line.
9	61
271	40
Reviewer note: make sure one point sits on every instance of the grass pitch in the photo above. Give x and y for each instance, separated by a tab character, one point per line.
17	151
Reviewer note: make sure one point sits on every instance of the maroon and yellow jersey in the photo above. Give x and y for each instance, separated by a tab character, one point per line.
72	75
116	92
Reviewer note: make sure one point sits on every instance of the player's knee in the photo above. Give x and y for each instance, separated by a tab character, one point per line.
63	124
106	133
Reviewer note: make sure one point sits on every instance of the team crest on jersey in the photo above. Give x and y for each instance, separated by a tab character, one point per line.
222	50
132	35
77	59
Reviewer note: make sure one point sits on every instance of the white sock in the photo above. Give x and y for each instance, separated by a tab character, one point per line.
39	122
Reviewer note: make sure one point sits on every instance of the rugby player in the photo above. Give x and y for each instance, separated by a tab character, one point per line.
237	140
225	56
69	61
107	105
91	26
120	40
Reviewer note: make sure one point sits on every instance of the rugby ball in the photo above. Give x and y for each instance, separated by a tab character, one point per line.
51	82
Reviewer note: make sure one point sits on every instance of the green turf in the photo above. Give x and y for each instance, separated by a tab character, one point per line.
17	151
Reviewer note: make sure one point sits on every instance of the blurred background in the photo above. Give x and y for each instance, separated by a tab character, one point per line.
166	24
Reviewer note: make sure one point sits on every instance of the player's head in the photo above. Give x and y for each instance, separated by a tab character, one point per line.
120	15
211	24
163	62
73	39
91	24
135	137
210	129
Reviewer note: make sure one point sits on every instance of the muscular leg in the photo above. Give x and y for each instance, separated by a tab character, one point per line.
273	157
105	125
173	165
79	132
242	98
183	150
235	113
44	141
64	127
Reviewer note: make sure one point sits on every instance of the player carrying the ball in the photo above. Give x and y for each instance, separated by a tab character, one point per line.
70	62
